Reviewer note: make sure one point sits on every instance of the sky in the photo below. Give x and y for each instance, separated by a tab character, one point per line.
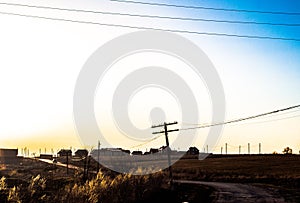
41	60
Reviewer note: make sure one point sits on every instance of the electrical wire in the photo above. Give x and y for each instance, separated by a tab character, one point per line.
152	16
269	116
144	143
155	29
228	122
242	119
208	8
280	119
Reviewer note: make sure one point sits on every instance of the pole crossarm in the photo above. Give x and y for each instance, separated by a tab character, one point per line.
162	125
164	131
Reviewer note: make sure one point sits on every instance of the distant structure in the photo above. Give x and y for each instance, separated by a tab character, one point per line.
64	152
137	153
193	151
8	156
109	152
126	151
153	151
46	156
81	153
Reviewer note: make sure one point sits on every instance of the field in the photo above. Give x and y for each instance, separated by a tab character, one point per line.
279	174
246	168
34	181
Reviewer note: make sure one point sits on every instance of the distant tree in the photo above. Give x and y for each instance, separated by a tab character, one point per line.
274	152
287	150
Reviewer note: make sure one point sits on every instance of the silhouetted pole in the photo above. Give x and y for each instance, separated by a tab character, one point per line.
240	149
165	131
88	166
67	162
84	168
98	154
259	148
248	148
225	148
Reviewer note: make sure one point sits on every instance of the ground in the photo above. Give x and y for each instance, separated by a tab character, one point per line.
244	178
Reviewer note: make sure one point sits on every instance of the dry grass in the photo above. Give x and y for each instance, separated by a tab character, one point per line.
263	168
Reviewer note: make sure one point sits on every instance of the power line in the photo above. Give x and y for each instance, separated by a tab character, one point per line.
268	121
208	8
155	29
242	119
248	118
269	116
144	143
153	16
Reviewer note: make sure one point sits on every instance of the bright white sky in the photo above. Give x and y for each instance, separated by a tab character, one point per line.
41	59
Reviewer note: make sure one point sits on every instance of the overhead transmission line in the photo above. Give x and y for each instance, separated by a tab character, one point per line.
231	121
152	16
273	120
242	119
148	141
153	28
265	121
207	8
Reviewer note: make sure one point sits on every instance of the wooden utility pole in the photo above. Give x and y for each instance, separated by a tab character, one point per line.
98	154
225	148
240	149
248	148
67	162
166	131
259	148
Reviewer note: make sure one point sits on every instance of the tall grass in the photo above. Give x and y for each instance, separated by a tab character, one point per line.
102	188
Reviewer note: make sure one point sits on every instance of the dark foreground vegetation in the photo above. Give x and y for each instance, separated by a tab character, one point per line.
278	173
34	181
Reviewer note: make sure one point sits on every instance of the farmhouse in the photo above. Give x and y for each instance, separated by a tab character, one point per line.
193	151
137	153
8	156
46	156
81	153
64	152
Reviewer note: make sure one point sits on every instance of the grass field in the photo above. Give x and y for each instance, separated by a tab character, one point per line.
44	182
245	168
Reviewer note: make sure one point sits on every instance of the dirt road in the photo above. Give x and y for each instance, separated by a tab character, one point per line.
237	192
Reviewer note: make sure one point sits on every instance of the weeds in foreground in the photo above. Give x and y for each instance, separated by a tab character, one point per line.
102	189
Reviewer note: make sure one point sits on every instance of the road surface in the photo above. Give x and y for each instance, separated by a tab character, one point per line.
237	192
60	164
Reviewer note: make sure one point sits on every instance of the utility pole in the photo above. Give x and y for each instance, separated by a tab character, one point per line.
221	150
166	131
248	148
98	154
240	149
259	148
67	162
206	148
225	148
